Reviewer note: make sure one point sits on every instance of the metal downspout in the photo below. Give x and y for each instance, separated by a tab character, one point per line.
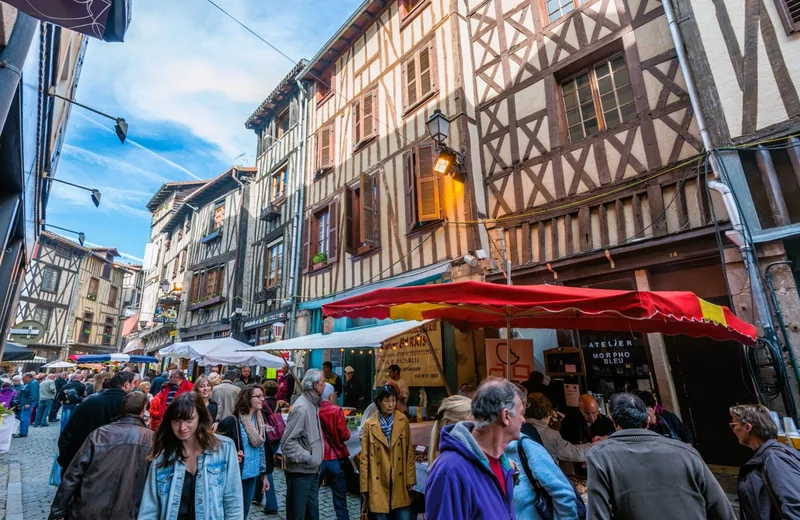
236	262
12	59
294	274
71	307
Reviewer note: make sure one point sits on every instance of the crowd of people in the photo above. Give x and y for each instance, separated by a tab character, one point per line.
161	447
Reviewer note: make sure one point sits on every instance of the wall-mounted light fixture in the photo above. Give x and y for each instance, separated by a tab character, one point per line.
120	125
81	234
95	192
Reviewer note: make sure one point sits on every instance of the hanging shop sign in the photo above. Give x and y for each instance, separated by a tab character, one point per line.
564	361
411	353
106	20
265	319
166	312
521	358
26	332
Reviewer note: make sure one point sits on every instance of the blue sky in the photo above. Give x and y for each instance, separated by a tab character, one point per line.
186	79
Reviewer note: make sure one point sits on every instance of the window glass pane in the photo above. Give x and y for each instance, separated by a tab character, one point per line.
625	95
567	7
568	86
573	117
628	111
585	94
588	111
601	70
604	85
618	62
621	77
591	126
571	100
582	80
575	133
609	102
612	118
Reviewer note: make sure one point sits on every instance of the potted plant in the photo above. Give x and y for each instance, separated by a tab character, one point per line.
319	260
92	296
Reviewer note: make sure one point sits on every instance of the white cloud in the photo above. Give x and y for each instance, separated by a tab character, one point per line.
187	62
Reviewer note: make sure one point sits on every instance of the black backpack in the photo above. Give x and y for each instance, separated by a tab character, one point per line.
71	395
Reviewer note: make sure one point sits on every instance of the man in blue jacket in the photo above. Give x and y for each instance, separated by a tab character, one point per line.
472	478
29	395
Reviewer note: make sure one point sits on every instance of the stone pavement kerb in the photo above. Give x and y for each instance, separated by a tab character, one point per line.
14	495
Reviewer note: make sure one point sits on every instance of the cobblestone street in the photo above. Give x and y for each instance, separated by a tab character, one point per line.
35	454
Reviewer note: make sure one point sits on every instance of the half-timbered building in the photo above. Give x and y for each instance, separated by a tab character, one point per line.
49	290
98	304
162	206
274	207
202	255
377	213
74	293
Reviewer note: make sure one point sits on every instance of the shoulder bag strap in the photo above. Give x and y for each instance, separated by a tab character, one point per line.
238	432
523	457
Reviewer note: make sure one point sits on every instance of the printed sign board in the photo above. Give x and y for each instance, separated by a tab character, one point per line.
411	353
521	358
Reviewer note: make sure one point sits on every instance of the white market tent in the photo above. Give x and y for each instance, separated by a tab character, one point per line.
59	364
221	351
367	337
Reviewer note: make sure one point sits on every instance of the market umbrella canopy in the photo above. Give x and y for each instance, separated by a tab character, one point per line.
113	358
471	305
58	364
221	351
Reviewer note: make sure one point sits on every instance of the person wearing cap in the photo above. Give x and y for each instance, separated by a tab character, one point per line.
353	391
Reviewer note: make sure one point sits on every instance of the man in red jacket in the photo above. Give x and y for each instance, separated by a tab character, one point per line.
177	385
334	435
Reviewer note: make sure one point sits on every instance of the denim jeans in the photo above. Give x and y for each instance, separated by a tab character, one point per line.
272	498
302	496
25	421
66	413
401	513
42	412
333	470
248	491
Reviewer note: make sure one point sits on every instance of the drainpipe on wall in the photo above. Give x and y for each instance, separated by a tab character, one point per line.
236	261
294	274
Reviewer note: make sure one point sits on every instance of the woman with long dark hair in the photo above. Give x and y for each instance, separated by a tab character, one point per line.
194	473
249	434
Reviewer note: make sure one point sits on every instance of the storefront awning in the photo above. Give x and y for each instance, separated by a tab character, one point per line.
367	337
103	19
133	345
415	277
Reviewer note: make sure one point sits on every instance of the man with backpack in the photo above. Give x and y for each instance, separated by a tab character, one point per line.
70	397
769	483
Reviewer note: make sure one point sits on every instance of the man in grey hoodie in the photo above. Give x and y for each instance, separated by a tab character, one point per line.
637	474
303	449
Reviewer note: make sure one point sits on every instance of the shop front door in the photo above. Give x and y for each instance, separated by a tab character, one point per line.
709	378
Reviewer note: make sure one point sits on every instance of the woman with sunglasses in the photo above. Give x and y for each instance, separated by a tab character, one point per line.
387	470
194	473
247	430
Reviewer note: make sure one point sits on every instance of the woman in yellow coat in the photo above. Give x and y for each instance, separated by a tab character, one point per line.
387	470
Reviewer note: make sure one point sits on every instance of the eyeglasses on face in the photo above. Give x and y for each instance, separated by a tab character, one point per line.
734	424
257	396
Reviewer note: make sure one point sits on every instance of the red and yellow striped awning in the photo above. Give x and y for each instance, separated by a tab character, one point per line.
472	305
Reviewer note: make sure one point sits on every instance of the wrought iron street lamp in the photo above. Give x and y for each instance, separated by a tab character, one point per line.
95	192
449	161
438	126
81	234
120	125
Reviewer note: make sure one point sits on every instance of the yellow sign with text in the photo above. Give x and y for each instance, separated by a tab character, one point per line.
411	353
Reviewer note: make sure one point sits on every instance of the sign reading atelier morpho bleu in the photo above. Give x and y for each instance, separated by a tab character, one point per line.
265	319
622	355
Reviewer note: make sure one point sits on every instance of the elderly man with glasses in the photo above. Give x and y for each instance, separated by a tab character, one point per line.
303	450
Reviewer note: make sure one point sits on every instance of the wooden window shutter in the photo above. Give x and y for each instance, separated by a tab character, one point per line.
411	82
410	191
324	142
306	260
425	72
356	122
333	231
293	114
376	205
367	186
789	11
331	143
350	216
368	114
427	185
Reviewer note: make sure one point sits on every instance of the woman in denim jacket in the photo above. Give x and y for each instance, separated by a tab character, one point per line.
194	474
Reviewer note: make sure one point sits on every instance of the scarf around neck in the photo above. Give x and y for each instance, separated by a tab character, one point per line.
255	432
386	425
